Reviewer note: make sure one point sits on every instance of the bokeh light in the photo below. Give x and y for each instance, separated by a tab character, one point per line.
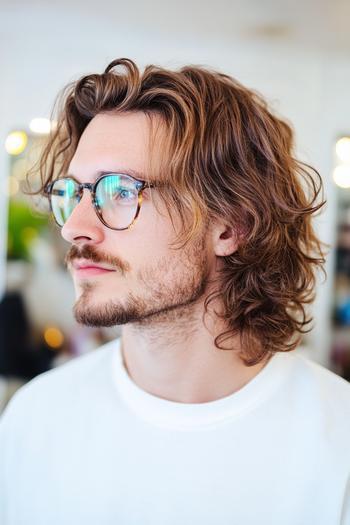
53	337
16	142
341	176
342	149
41	126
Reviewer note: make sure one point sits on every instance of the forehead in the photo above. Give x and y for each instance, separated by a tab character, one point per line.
112	142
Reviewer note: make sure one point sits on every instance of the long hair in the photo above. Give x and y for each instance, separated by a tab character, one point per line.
225	156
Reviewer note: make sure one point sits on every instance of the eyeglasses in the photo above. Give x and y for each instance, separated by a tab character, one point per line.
116	198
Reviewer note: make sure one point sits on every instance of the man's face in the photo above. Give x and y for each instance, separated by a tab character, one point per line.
142	278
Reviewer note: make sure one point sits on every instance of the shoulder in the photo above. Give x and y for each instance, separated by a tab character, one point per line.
320	395
64	383
321	381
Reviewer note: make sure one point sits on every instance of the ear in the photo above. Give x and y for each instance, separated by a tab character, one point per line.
225	240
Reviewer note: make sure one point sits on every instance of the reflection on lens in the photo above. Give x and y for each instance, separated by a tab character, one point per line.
64	198
117	199
107	188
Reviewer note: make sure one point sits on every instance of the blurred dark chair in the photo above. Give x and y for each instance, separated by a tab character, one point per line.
19	357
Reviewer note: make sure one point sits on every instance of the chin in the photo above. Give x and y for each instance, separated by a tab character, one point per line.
102	315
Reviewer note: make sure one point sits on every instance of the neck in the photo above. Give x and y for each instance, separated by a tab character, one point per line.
175	358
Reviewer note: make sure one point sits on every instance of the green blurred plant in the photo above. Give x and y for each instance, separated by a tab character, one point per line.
24	225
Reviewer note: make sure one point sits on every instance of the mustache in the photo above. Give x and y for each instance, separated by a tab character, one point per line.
91	254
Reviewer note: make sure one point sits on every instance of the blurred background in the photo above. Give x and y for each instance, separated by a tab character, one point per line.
297	54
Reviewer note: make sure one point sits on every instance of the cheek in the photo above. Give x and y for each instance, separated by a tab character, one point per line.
146	242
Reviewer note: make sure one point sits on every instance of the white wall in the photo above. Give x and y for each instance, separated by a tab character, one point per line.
309	88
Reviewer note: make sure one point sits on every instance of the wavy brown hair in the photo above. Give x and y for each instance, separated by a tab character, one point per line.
225	156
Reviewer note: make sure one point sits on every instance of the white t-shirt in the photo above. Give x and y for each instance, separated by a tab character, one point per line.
84	445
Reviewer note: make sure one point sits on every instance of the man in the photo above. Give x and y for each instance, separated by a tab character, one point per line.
189	223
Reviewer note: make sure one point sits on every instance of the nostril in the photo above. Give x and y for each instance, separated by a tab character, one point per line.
82	239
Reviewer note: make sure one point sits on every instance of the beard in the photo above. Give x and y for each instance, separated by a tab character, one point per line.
168	289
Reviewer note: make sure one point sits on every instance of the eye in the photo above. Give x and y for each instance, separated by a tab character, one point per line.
126	195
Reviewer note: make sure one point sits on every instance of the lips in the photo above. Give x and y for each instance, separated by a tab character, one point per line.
81	264
88	268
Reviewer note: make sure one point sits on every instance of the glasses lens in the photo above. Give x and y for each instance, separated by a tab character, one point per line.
64	198
117	198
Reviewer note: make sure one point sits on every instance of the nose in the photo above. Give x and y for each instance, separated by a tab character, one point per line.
83	226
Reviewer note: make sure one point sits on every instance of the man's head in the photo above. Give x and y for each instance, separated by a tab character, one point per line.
228	218
146	278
